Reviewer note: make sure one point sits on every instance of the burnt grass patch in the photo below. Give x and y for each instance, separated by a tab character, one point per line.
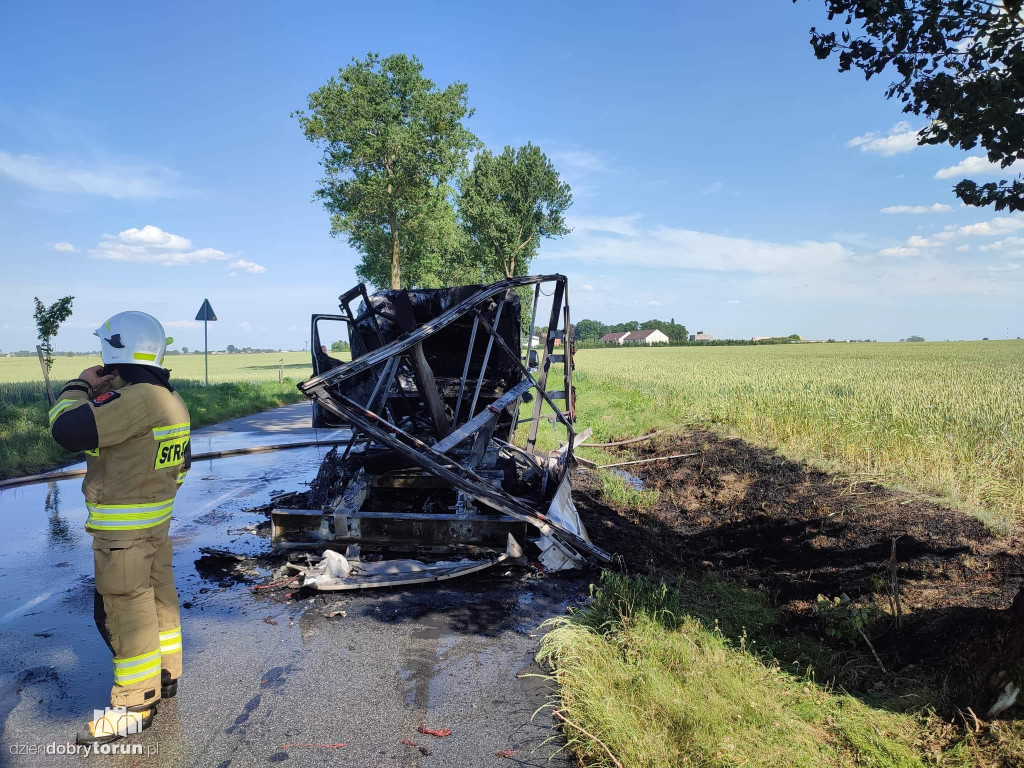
793	532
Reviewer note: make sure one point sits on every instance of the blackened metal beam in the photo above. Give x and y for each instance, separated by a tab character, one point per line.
465	480
489	414
487	357
408	340
549	348
465	368
558	415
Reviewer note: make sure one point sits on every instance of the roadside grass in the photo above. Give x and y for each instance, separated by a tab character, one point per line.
619	492
26	446
693	674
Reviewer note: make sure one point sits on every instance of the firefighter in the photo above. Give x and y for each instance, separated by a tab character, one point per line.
134	430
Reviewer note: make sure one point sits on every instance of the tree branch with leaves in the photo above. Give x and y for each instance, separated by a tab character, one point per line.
960	63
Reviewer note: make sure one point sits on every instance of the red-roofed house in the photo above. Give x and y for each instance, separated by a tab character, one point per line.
614	338
653	336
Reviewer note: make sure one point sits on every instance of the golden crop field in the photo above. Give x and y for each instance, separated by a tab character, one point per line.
258	366
945	418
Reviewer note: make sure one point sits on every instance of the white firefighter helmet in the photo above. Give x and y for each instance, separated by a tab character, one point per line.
133	338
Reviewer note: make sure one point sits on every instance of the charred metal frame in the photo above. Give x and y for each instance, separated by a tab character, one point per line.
376	422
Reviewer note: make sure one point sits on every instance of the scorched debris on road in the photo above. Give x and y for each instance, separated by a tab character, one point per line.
435	394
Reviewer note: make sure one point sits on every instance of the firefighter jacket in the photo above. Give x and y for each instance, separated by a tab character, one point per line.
136	441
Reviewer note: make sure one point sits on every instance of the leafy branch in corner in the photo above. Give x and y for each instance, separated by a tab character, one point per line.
959	63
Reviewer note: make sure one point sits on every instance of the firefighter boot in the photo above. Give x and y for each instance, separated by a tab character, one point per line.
168	686
115	723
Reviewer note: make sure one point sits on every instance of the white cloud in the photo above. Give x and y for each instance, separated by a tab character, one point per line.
182	324
947	239
578	159
994	227
248	266
152	245
653	303
899	251
977	165
1015	244
121	182
901	138
933	208
617	225
713	188
1003	268
586	287
245	326
732	301
618	241
917	241
65	248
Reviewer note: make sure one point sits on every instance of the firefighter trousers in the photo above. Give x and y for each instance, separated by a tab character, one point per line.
136	611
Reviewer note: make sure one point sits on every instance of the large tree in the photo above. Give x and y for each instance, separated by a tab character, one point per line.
390	140
508	203
960	63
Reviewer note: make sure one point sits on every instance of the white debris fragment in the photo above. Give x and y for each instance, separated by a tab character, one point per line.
334	572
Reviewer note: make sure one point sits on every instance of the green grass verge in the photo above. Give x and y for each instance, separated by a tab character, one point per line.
686	675
619	492
26	446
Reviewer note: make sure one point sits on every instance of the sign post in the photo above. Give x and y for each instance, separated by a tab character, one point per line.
206	314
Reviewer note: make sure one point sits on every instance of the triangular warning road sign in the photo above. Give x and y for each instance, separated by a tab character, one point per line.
206	312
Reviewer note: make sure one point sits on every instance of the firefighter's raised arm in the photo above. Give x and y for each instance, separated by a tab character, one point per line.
84	421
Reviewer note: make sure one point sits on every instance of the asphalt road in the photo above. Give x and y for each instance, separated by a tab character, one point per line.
261	672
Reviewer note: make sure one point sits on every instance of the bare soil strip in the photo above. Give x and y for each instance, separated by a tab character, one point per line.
794	532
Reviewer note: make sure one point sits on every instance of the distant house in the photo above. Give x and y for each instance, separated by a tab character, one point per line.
653	336
701	336
534	341
614	338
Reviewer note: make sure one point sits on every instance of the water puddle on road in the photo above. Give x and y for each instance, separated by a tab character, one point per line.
56	667
449	654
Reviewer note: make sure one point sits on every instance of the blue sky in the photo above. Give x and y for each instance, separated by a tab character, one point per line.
722	176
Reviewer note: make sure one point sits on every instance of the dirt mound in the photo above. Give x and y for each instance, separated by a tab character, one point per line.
795	532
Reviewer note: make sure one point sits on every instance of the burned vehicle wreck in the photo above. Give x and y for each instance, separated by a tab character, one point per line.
437	394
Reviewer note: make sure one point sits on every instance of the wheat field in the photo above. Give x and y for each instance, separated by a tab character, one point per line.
257	366
944	418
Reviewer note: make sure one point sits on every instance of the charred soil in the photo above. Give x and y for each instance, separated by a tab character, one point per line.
746	513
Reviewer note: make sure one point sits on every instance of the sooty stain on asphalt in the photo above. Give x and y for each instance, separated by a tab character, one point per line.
250	707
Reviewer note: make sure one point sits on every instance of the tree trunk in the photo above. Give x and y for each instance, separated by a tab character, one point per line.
396	273
46	376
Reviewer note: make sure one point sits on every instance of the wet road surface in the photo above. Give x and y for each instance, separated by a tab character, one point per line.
453	656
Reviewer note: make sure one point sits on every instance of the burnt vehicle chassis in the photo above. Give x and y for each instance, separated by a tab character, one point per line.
433	396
